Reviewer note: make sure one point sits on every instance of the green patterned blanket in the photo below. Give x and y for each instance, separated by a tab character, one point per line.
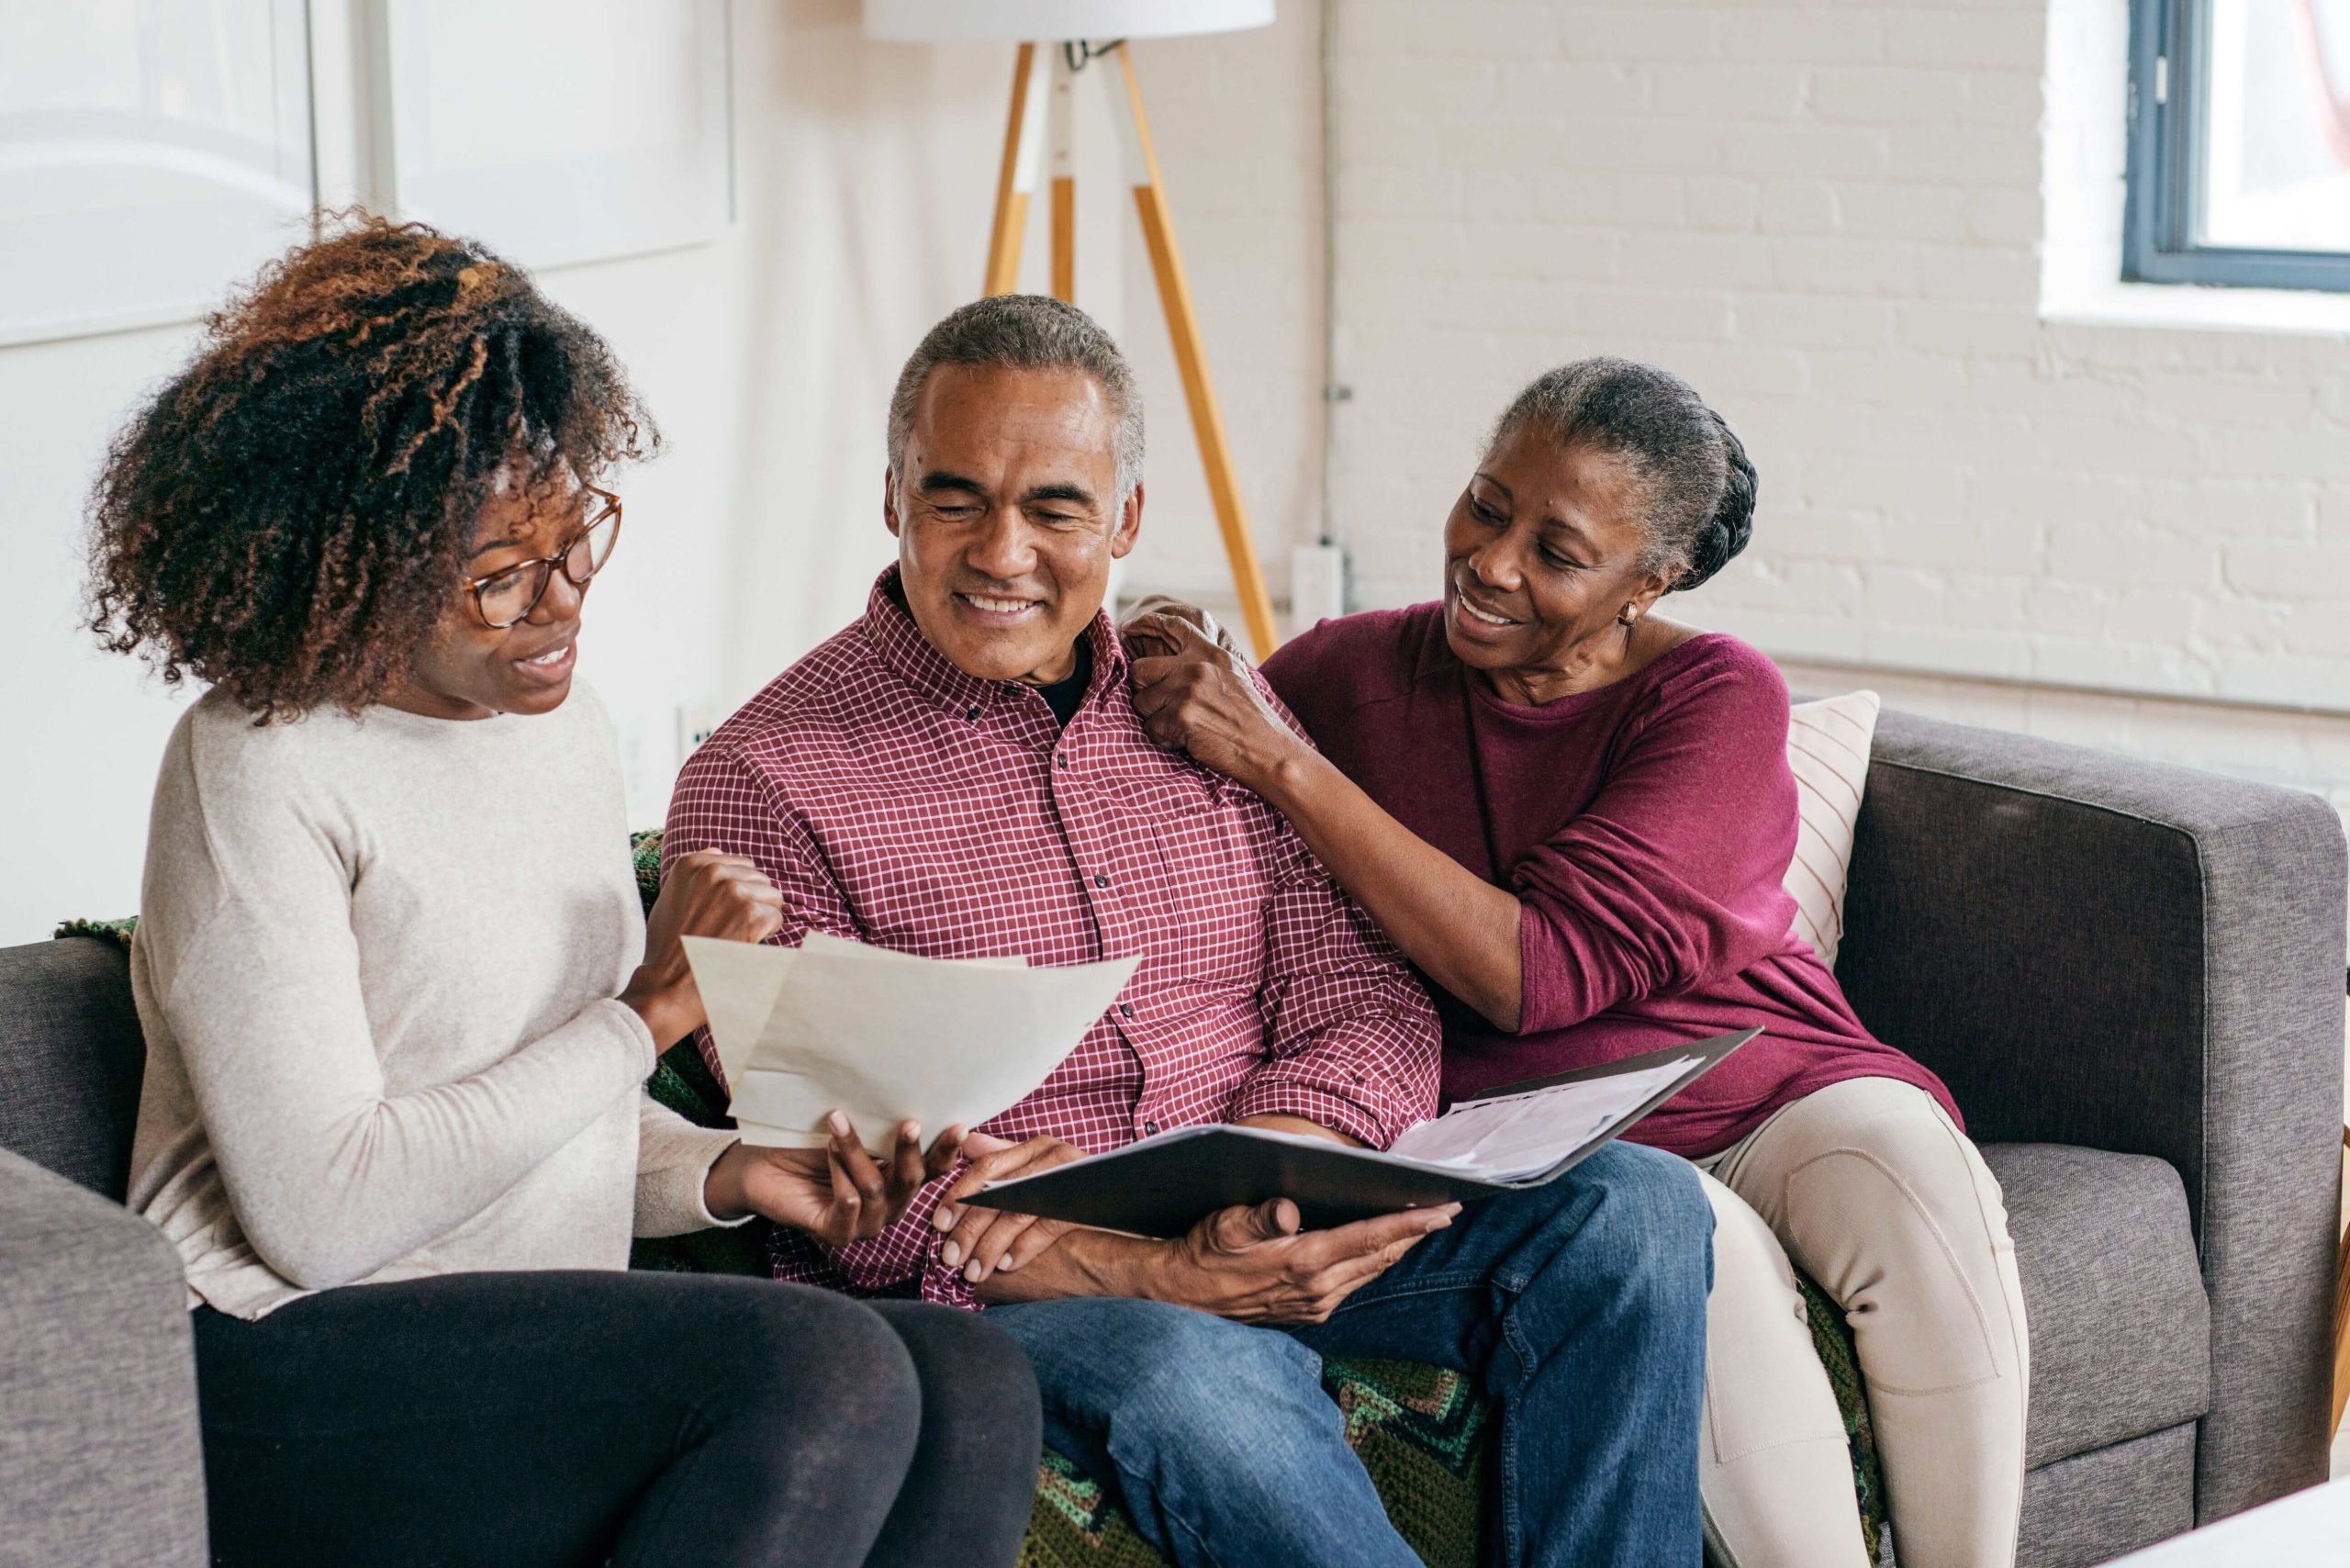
1421	1431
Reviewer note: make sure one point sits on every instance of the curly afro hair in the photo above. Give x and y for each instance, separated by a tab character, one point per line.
290	515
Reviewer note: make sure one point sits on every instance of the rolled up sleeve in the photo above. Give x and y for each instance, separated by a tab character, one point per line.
1353	1043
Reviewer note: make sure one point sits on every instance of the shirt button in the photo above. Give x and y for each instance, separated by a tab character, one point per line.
1150	1129
1061	763
972	714
1100	880
1126	1008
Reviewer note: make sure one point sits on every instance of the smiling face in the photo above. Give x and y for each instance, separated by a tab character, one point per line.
1542	556
1007	517
468	669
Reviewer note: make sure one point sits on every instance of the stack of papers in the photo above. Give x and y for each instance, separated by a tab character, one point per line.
884	1036
1513	1136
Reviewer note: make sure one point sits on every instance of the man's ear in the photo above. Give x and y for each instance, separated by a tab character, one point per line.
1130	525
889	501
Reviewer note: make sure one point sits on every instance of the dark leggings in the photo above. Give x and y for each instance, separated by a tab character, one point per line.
571	1420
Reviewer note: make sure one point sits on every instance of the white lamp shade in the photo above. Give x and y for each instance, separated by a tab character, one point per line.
1050	21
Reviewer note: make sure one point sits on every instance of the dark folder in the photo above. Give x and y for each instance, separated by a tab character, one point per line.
1162	1186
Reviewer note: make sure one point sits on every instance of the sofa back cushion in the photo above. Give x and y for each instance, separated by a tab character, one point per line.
71	1059
1827	748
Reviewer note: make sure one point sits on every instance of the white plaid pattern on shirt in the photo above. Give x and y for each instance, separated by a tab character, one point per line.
900	801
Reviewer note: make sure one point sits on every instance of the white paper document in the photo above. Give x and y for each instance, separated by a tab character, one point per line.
1519	1136
883	1037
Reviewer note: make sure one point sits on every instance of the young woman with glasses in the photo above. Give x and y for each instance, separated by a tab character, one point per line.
400	1001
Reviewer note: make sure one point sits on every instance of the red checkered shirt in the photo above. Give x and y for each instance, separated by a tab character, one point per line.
898	800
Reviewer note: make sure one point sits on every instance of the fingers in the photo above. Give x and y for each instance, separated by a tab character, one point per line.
750	903
724	896
860	1196
1323	1249
1235	1229
703	858
1173	644
948	1147
989	1165
976	1175
1344	1278
1149	671
1145	638
838	1222
981	1244
1322	1291
1187	635
1033	1243
979	1240
908	1168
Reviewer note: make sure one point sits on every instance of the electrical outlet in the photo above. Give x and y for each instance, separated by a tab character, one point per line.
695	722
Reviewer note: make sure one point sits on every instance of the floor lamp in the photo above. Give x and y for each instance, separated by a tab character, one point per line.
1043	81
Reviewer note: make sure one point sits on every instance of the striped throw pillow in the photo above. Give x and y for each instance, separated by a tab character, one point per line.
1828	747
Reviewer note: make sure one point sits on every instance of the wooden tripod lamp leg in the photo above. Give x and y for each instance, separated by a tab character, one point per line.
1064	180
1183	326
1021	136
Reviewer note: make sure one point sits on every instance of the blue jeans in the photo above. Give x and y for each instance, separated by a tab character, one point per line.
1578	1307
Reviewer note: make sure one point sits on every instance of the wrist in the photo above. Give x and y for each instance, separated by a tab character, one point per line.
723	1192
1283	768
1148	1270
665	1007
1087	1262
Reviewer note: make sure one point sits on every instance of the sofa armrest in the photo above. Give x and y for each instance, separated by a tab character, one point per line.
2095	950
100	1458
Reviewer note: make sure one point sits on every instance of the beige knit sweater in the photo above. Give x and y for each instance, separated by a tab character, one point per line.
375	964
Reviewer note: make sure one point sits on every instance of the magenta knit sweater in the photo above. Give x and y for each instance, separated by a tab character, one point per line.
1645	827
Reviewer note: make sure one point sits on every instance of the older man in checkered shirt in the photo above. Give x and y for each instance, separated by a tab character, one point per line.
962	773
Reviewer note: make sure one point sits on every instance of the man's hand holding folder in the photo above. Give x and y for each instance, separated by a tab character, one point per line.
1253	1264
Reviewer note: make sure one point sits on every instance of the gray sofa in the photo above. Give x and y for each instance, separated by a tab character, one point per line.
2131	976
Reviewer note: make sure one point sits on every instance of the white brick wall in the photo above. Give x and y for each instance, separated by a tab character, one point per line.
1827	217
1830	217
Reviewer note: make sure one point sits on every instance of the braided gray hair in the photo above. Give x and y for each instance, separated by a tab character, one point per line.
1690	465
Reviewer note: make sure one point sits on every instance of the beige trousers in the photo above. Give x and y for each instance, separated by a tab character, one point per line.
1870	1187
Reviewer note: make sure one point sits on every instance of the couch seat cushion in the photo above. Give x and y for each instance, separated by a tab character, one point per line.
2121	1329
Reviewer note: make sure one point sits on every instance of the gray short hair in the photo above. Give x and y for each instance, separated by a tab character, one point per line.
1023	331
1697	484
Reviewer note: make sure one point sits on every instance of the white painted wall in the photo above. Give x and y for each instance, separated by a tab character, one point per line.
866	174
1828	218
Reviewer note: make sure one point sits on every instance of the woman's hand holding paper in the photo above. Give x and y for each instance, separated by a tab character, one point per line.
838	1193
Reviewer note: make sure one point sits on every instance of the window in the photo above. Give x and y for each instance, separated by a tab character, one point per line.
2239	143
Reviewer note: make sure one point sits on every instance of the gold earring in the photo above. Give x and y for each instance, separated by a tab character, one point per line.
1630	616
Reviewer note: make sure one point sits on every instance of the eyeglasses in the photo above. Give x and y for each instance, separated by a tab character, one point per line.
506	598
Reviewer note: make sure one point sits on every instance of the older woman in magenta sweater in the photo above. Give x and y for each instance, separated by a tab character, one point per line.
1574	816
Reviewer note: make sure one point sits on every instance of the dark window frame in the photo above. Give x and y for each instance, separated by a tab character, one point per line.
2164	194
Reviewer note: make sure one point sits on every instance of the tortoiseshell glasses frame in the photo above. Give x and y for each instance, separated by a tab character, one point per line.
505	598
